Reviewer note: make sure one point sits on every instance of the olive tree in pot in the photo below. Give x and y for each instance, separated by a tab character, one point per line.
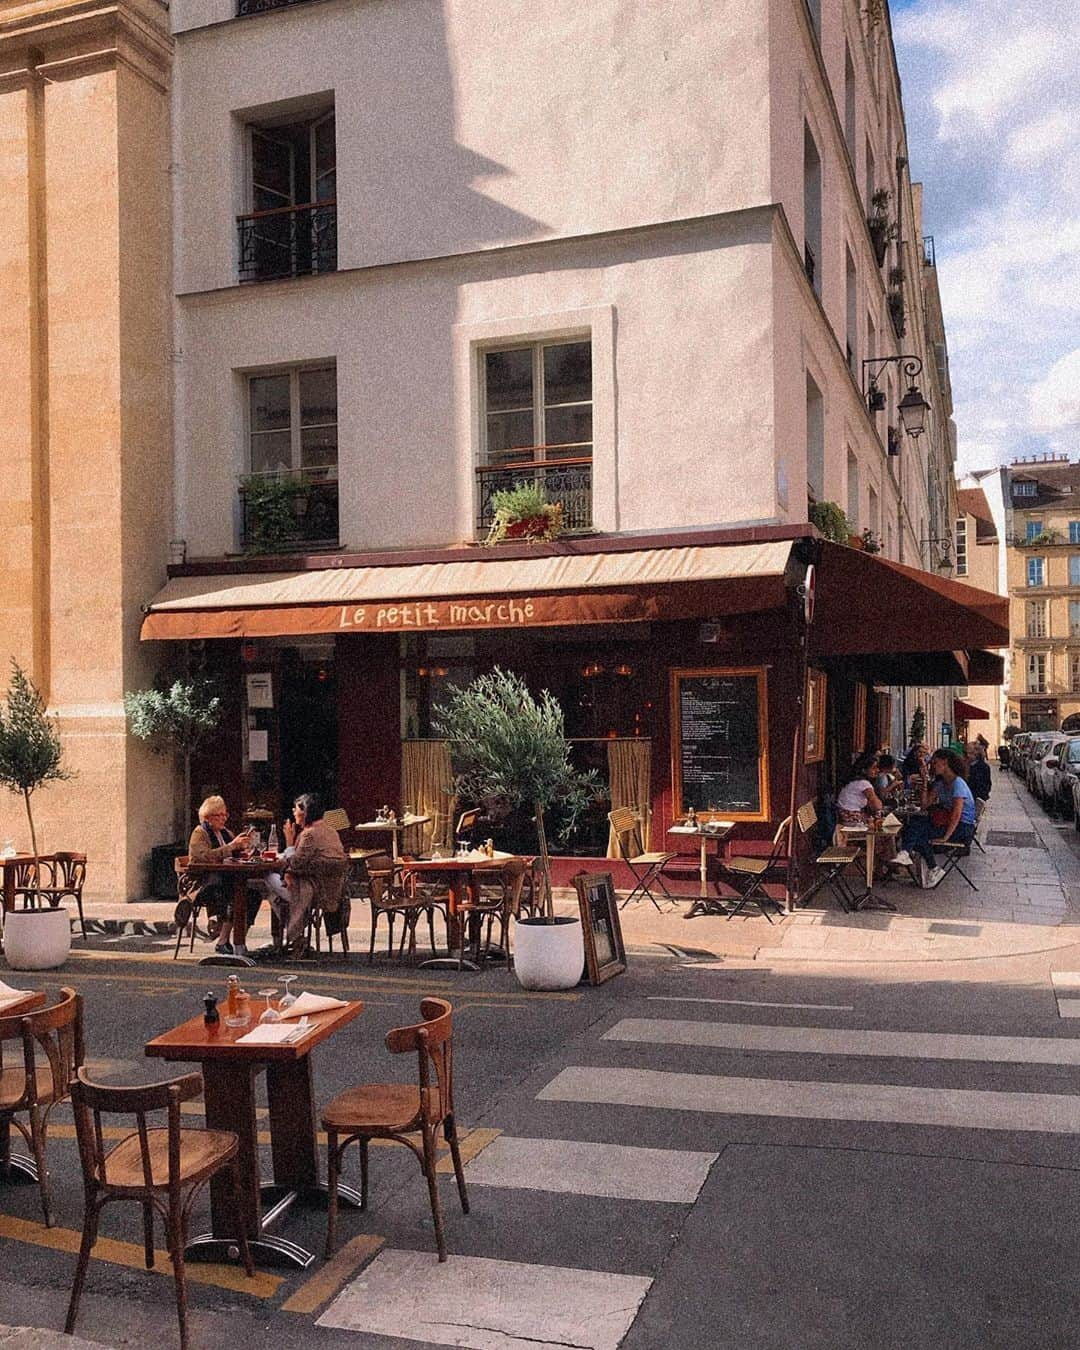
505	744
31	757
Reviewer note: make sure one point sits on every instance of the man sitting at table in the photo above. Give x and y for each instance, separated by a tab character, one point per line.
316	864
212	841
950	808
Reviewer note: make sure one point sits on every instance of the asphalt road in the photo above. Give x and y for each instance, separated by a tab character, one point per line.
807	1186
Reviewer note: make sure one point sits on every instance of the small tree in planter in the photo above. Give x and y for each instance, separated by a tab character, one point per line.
176	717
524	512
31	755
917	732
508	745
830	520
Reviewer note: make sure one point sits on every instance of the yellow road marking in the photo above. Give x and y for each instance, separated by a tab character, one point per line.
324	1284
471	1143
130	1254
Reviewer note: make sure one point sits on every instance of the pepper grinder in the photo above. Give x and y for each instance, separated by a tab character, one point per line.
211	1017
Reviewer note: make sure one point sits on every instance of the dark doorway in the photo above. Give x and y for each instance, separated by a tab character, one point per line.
308	729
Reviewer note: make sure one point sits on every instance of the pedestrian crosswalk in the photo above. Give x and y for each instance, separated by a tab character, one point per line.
637	1067
1067	990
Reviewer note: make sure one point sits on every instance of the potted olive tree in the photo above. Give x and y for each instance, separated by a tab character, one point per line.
505	744
31	757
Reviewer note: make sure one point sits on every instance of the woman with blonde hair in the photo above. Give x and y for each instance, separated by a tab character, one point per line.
212	841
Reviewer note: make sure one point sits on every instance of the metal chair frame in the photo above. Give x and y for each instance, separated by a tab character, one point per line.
751	874
834	860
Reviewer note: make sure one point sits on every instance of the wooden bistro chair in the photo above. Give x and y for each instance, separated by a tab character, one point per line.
37	1084
388	895
399	1111
160	1169
189	904
831	864
68	879
331	909
646	867
499	899
747	875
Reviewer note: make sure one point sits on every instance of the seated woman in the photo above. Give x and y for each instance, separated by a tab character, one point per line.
947	799
857	800
211	841
914	761
315	860
887	780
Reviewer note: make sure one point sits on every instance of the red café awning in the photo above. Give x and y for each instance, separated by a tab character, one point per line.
968	712
885	622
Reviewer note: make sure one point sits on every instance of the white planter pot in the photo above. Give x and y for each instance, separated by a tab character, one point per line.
37	939
548	955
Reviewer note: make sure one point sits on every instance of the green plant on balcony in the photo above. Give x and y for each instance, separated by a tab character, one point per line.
1039	540
870	541
897	312
830	521
270	514
883	228
524	512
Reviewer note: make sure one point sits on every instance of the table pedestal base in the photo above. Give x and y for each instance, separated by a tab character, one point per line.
267	1249
239	958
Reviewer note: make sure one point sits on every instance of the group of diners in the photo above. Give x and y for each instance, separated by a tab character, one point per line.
310	843
937	792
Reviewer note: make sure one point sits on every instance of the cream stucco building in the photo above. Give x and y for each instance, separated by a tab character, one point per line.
637	255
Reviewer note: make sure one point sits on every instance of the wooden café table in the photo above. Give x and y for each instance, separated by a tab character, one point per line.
229	1072
458	872
857	835
394	828
240	872
17	1167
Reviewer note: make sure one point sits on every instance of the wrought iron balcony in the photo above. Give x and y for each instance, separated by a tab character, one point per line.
291	241
281	511
566	481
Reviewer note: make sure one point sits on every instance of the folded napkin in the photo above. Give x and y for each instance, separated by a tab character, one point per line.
9	995
312	1003
890	819
275	1033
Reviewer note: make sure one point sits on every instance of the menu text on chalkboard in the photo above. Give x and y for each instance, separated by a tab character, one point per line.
720	742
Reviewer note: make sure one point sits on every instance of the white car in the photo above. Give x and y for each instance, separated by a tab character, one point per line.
1064	775
1036	748
1044	784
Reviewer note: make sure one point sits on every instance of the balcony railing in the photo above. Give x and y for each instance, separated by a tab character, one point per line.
291	241
295	507
566	481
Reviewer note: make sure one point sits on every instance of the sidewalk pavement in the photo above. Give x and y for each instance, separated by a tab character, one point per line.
1028	901
35	1338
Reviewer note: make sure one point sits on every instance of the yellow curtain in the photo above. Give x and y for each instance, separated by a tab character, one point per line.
629	772
427	783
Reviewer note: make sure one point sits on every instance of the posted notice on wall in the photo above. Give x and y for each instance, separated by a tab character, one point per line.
260	691
258	745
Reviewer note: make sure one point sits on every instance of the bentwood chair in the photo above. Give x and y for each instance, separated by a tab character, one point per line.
398	1111
646	867
499	898
389	896
160	1169
747	875
38	1084
188	906
831	864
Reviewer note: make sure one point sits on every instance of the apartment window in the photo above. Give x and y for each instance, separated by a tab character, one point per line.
1036	673
811	210
1074	531
289	494
851	283
1025	487
815	440
849	102
1074	618
1074	569
873	512
1036	571
291	229
1074	673
853	512
538	425
1036	618
1034	529
961	547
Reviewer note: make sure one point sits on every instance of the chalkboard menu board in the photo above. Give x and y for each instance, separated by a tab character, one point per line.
720	743
604	952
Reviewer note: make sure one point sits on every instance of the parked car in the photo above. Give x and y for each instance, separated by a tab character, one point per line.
1042	766
1018	756
1063	774
1032	754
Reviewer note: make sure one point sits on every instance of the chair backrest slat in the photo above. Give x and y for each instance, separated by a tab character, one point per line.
58	1031
91	1100
806	815
432	1040
627	830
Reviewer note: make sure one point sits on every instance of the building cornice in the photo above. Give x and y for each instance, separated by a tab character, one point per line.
58	40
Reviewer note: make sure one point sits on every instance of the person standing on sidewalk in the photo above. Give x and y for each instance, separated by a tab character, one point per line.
978	771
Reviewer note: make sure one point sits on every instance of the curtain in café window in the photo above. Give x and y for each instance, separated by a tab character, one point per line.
629	772
427	783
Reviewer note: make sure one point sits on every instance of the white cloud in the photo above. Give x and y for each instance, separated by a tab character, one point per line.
992	101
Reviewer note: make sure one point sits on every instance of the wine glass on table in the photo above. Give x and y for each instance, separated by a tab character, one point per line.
288	998
270	1013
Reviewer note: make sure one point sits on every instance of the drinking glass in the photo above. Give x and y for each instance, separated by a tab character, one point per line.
270	1014
288	998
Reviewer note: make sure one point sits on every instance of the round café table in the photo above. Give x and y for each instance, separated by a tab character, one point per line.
458	872
715	829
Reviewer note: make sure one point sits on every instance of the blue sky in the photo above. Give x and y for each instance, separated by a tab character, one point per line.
992	102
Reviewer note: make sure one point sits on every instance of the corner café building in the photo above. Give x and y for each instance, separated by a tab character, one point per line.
737	671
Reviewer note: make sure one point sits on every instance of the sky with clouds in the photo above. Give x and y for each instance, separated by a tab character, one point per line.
991	95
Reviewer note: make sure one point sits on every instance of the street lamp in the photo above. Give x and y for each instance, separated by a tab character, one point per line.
913	407
944	560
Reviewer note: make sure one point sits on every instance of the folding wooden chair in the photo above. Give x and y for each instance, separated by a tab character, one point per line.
831	864
748	874
952	853
645	866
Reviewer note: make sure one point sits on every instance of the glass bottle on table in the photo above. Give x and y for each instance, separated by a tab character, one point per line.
272	842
